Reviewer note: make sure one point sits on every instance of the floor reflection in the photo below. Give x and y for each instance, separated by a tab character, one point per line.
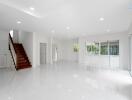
65	81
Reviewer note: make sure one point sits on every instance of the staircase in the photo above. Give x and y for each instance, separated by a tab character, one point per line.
19	56
22	59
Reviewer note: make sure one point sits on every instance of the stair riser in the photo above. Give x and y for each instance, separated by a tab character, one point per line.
22	59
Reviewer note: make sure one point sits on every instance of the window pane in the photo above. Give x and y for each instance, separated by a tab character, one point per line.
92	48
95	48
89	48
114	48
104	48
76	48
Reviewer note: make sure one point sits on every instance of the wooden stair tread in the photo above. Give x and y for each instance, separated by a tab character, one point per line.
22	59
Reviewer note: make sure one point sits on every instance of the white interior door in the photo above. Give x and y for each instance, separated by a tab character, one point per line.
43	47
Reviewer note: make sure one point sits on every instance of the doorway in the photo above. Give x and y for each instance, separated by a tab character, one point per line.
43	47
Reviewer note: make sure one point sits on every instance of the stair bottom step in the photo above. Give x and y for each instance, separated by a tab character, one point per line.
21	65
23	68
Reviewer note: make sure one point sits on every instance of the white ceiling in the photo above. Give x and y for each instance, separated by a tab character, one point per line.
66	18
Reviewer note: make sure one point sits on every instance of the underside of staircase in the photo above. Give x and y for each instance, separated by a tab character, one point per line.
22	59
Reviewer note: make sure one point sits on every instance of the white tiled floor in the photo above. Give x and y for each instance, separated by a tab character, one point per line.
65	81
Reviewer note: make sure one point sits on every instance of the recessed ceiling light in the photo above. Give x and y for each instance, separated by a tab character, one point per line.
32	8
53	31
75	76
83	97
68	28
69	90
9	98
101	19
108	30
19	22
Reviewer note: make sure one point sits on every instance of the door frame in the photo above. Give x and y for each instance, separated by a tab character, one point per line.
45	53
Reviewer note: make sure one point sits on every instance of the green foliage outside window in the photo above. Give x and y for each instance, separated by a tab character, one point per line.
93	48
89	49
76	48
103	48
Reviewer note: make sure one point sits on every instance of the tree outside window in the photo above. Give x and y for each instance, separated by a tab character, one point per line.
104	48
93	48
76	48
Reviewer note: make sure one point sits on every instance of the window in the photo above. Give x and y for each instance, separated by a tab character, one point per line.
104	48
93	48
114	48
89	47
76	48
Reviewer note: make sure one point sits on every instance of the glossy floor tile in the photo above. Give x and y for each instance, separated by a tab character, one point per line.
65	81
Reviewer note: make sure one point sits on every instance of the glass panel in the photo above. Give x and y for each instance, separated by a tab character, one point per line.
104	48
76	48
93	48
89	48
114	48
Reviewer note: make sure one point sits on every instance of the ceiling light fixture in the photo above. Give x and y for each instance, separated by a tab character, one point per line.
53	31
19	22
83	97
31	8
101	19
108	30
37	15
68	28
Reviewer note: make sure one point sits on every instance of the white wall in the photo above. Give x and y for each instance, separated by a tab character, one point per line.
5	57
4	35
65	50
124	63
15	36
37	39
31	42
26	38
64	47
